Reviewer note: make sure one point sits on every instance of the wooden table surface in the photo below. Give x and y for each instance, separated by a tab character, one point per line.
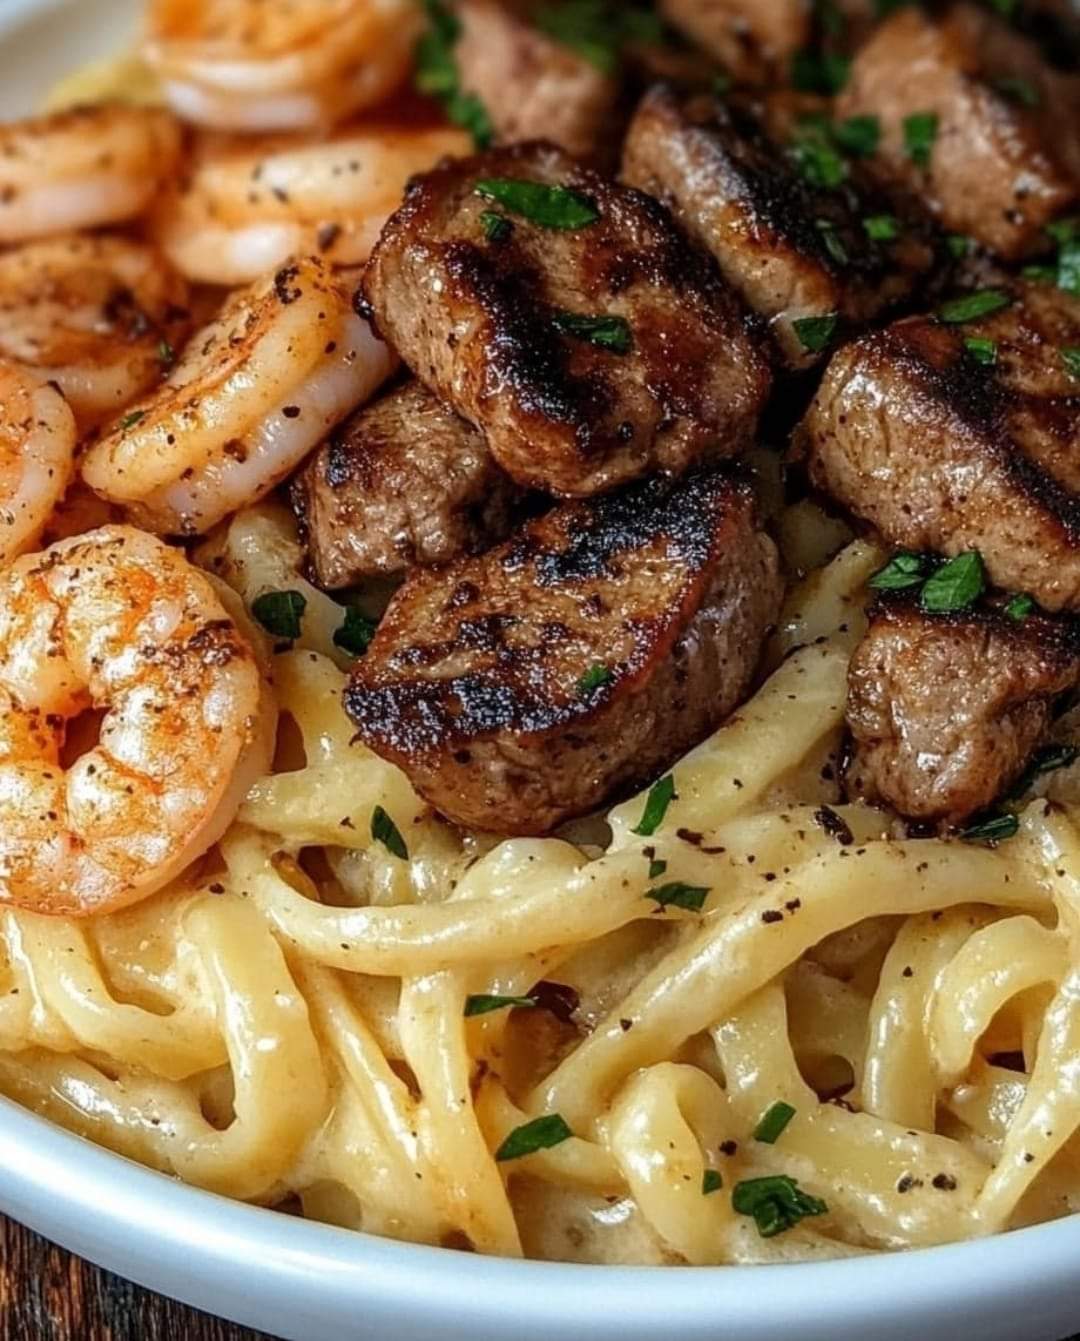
46	1294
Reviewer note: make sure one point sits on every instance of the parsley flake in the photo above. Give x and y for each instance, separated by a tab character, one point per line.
657	867
497	227
607	332
959	245
982	350
355	633
814	333
833	243
993	829
881	227
817	159
541	1133
166	354
902	572
677	895
776	1202
1020	607
773	1122
819	71
280	613
130	420
661	795
858	136
1070	357
920	134
437	74
599	29
556	207
385	831
593	679
955	585
484	1005
1047	759
711	1182
972	306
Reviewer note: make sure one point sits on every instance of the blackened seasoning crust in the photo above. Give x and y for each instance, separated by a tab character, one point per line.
475	320
526	686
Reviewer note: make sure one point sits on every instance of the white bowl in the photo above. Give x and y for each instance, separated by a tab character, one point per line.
309	1282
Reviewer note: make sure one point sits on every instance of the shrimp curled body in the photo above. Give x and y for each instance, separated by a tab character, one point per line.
37	457
117	621
83	168
251	395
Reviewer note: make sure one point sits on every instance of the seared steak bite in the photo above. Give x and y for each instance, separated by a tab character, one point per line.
403	481
796	252
972	119
579	658
531	85
952	437
568	319
945	710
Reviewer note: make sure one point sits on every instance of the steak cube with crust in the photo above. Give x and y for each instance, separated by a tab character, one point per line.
974	120
403	482
578	659
945	710
568	319
952	437
531	85
794	251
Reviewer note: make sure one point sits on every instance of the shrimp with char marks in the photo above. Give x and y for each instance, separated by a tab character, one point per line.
100	316
83	168
246	206
116	621
37	457
251	395
265	65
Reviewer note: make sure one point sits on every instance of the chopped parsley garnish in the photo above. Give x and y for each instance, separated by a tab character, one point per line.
661	795
993	829
280	612
437	74
657	867
881	227
1047	759
385	831
972	306
608	332
556	207
130	420
858	136
1019	607
920	134
955	585
711	1182
678	895
166	354
1070	357
959	245
484	1005
982	350
541	1133
773	1122
819	71
594	678
902	572
599	29
815	155
1018	90
776	1202
497	227
833	242
814	333
1066	233
355	633
1040	274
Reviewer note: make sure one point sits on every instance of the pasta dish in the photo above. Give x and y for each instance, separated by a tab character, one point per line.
538	619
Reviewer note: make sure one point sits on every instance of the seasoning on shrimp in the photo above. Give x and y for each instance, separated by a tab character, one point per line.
83	168
95	315
117	622
246	401
37	457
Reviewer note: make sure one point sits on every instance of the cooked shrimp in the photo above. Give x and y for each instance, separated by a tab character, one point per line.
99	316
83	168
248	206
253	392
37	457
279	64
117	622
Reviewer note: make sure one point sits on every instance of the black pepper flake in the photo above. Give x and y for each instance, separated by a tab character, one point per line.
772	915
907	1182
834	825
729	1147
626	1025
908	972
216	888
944	1182
291	411
690	836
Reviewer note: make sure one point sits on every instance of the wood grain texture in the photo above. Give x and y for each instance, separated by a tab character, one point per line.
46	1294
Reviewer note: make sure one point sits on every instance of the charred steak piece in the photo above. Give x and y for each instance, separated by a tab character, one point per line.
797	252
578	659
531	85
403	482
945	710
952	437
974	120
568	319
